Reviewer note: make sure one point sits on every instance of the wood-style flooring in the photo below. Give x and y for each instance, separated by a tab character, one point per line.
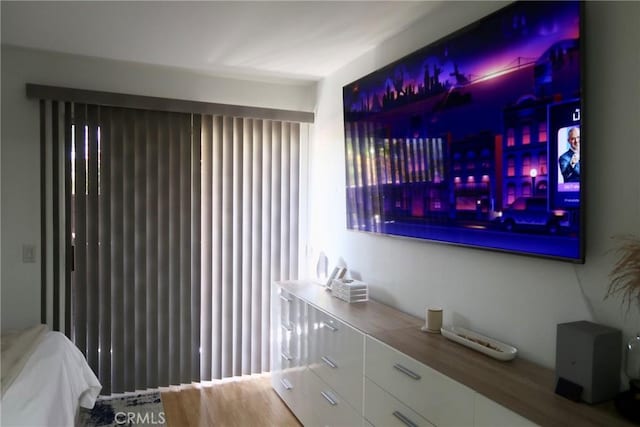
242	403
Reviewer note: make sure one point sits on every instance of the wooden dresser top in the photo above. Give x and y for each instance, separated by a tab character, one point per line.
519	385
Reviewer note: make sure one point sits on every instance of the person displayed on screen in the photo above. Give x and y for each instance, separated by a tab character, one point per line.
570	161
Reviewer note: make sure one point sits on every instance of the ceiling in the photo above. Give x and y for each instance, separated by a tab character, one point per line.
294	40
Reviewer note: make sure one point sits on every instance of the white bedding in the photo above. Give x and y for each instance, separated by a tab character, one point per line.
54	381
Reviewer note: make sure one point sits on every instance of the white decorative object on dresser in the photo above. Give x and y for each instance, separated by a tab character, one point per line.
350	290
367	364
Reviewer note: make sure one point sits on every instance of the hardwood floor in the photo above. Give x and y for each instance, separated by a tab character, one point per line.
246	402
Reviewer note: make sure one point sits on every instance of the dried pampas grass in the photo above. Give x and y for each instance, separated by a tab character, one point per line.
625	276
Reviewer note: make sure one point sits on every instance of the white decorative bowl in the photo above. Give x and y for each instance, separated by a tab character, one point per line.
481	343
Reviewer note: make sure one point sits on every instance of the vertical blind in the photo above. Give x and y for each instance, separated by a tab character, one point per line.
177	225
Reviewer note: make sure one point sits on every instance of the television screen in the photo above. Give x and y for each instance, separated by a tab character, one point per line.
475	139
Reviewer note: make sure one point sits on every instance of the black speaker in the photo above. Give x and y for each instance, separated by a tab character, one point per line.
589	355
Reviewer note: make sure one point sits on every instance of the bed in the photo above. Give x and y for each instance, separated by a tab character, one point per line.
45	379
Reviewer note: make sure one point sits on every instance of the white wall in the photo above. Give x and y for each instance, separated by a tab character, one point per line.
20	142
517	299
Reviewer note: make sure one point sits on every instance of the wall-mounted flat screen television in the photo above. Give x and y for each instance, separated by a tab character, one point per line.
475	139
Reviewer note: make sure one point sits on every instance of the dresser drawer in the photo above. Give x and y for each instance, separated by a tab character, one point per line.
277	333
383	410
490	414
290	386
291	329
336	353
440	400
327	406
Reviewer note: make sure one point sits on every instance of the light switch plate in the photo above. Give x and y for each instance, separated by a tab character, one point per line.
28	253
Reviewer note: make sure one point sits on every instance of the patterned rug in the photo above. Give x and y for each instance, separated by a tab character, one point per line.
144	409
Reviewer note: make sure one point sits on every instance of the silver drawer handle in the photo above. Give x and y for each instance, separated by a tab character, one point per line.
288	327
329	399
286	357
330	327
406	421
286	384
285	299
407	371
329	362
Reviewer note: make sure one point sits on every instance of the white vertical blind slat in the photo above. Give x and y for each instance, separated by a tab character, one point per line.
47	107
206	255
104	310
174	250
256	247
163	249
285	198
116	166
276	177
57	206
218	235
61	243
66	220
195	279
267	154
304	267
236	249
151	222
185	247
246	263
294	201
227	229
129	232
79	276
140	247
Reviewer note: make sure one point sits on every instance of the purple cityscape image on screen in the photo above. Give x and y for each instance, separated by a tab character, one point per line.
475	139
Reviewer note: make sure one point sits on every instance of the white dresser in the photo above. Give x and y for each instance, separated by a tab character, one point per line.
367	364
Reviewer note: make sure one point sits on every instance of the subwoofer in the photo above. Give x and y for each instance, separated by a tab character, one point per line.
588	355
